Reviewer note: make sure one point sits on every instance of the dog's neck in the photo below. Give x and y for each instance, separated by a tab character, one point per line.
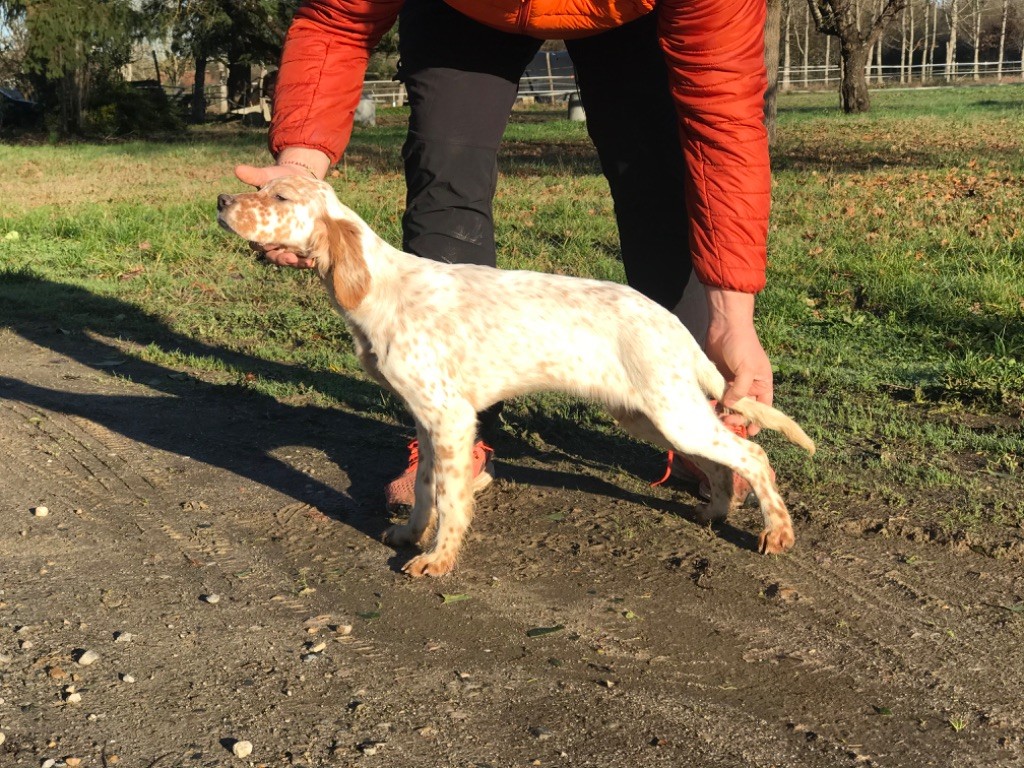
363	274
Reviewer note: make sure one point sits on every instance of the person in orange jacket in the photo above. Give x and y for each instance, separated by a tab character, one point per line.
673	93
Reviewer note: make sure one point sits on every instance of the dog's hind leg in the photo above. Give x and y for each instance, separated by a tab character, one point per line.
707	440
719	478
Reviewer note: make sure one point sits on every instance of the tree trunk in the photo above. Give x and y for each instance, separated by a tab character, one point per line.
977	41
910	46
1002	39
853	90
925	48
199	90
903	47
954	23
828	55
787	48
772	34
879	75
807	47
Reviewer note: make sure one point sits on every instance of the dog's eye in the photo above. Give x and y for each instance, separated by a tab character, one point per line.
282	198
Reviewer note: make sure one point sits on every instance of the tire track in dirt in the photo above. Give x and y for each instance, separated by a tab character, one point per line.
879	661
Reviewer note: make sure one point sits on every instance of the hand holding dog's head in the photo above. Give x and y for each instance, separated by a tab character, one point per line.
283	212
303	216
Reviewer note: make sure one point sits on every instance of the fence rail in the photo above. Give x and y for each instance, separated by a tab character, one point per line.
560	87
896	74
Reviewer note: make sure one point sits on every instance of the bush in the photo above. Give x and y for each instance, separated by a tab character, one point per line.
124	109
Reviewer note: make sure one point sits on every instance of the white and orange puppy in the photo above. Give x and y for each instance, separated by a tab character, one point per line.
451	340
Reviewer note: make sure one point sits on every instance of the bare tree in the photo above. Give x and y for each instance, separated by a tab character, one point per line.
841	18
772	35
954	24
972	13
1002	39
787	45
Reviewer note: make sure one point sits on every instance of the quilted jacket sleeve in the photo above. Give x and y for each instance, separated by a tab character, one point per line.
715	53
322	68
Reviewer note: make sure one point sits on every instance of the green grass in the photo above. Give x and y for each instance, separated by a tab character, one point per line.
894	313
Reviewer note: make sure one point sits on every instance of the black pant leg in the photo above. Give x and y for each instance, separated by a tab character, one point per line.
462	78
623	81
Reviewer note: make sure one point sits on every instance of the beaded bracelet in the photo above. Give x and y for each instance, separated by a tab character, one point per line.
298	164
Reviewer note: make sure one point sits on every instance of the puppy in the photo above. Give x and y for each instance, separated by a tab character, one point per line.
452	339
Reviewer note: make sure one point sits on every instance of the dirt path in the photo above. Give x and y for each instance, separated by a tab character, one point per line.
678	645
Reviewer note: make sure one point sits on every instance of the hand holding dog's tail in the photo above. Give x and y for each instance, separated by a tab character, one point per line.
772	418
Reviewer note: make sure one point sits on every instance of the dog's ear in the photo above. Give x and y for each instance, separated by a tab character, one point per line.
338	251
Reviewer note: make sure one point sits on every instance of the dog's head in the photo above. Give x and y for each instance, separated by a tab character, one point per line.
303	216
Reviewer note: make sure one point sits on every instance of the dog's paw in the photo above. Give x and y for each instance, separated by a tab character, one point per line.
776	540
402	536
429	564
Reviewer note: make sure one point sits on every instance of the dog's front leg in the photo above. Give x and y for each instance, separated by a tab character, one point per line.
423	517
452	436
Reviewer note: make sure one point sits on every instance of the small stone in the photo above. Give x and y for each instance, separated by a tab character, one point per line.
369	747
113	759
123	637
41	511
127	678
241	749
3	737
426	731
57	673
48	763
87	657
541	734
310	657
343	629
213	598
318	648
73	698
25	645
72	762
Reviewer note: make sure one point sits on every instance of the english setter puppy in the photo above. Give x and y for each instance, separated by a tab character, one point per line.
452	339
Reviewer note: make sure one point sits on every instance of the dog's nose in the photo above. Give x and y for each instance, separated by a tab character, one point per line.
223	201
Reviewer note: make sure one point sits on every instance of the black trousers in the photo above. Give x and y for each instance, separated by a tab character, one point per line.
462	78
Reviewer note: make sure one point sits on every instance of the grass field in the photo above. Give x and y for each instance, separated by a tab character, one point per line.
894	315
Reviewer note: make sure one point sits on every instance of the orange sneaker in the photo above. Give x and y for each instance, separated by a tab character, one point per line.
400	493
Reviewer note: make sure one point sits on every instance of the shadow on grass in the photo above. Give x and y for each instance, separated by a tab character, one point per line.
238	429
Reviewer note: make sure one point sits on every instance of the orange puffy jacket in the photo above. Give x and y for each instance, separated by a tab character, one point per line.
715	54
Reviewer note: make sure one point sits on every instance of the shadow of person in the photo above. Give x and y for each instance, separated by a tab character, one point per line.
228	426
240	429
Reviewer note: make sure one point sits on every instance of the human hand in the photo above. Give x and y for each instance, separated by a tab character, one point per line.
733	346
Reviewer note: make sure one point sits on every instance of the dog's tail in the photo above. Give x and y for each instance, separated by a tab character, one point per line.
713	383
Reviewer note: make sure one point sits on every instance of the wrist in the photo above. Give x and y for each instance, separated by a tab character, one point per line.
311	161
729	308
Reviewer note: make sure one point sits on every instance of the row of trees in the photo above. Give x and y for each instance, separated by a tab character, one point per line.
921	39
926	40
65	51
